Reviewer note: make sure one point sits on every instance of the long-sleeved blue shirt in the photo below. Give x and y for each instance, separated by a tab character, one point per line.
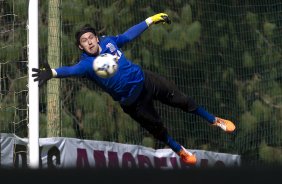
126	85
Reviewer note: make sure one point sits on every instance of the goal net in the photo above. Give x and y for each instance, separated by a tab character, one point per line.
13	68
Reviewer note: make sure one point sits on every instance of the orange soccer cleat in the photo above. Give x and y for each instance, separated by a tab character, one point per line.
224	124
187	157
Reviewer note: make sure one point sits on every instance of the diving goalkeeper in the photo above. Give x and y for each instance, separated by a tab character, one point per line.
134	88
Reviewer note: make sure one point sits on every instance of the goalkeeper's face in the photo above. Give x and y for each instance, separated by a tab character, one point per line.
89	43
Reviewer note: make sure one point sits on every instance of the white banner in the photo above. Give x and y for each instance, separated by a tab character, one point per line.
60	152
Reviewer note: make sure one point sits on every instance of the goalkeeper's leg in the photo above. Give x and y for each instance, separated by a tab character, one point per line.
147	117
168	93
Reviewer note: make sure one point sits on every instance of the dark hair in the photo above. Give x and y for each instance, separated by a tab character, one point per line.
86	28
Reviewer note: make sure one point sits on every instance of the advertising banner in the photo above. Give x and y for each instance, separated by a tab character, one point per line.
61	152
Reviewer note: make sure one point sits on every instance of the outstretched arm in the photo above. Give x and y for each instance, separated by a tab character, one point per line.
137	29
44	74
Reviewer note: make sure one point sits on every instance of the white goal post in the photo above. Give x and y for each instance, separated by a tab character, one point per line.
33	91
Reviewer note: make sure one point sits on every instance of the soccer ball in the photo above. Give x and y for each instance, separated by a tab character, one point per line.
105	65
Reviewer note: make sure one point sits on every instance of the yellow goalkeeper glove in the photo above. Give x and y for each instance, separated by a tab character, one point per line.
158	18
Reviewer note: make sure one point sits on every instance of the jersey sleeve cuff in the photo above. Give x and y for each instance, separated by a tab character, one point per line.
54	73
149	21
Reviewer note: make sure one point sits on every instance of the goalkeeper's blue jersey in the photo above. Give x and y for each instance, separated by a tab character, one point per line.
126	85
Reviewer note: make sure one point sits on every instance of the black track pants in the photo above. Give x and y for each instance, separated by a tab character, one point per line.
158	88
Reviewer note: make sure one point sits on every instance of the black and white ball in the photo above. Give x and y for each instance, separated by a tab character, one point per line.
105	65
